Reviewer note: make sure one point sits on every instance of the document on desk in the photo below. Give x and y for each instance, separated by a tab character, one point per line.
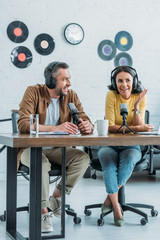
53	133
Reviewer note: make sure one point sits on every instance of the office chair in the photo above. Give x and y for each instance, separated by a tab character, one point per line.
4	120
55	174
140	166
154	157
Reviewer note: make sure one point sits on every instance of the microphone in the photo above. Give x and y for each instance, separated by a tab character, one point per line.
124	110
124	113
74	113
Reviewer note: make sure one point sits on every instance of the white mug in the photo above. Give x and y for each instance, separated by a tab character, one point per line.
102	127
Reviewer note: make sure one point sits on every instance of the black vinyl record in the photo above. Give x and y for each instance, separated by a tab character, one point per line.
21	57
17	31
44	44
106	50
123	59
123	41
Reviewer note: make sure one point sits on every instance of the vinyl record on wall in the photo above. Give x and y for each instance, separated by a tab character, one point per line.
44	44
21	57
17	31
123	59
123	41
106	50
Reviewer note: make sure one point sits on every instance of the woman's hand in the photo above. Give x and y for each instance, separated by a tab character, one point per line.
146	128
141	95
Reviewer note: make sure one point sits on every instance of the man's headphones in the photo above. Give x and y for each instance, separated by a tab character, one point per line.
49	80
128	69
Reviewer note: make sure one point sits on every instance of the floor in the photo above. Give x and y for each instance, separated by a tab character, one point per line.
140	188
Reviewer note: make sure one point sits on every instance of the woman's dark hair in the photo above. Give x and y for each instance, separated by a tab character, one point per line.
137	86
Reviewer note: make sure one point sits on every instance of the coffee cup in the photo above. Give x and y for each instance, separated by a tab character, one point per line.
102	127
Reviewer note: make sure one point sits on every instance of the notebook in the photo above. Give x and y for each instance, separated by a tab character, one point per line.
151	133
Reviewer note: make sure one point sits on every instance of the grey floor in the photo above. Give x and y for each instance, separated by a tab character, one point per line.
140	188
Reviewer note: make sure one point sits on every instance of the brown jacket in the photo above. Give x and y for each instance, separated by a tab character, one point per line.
36	99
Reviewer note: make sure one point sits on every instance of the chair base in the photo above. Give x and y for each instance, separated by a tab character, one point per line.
19	209
133	207
68	210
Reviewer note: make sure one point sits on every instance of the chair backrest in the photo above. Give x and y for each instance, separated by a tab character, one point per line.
145	149
147	117
15	116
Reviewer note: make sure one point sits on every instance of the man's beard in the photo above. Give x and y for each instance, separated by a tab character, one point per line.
60	93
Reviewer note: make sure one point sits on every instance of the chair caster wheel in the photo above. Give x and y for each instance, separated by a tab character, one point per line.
2	218
94	176
154	213
87	212
100	222
77	220
143	221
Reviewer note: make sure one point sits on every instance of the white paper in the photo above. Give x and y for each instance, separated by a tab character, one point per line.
53	133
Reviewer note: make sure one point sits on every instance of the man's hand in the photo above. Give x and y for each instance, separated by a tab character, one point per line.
85	126
68	127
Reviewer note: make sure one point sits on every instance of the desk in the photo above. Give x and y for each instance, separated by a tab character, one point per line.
14	141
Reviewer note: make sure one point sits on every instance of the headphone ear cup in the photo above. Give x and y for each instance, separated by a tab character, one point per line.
52	83
135	82
49	80
113	83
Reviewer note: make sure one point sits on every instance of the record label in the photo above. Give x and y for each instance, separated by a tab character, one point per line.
17	32
44	44
21	57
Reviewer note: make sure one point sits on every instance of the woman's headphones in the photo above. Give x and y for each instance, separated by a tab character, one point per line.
128	69
49	80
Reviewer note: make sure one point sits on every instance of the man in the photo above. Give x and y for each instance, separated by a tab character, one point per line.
50	101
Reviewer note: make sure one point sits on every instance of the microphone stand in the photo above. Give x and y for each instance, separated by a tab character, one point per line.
124	124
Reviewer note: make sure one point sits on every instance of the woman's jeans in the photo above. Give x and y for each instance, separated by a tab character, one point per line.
117	164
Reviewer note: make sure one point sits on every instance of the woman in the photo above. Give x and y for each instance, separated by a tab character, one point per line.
118	162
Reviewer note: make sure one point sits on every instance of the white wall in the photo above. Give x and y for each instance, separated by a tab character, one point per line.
101	19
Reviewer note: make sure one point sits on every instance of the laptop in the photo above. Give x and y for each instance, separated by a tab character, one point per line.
155	132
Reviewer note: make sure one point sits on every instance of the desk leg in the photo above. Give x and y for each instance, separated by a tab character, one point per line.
11	192
35	194
63	149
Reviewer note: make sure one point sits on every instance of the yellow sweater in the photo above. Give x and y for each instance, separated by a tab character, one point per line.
112	108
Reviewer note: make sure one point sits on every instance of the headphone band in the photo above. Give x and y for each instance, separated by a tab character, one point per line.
114	70
52	65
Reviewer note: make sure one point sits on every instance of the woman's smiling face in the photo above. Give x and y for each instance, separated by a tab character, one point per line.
124	82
